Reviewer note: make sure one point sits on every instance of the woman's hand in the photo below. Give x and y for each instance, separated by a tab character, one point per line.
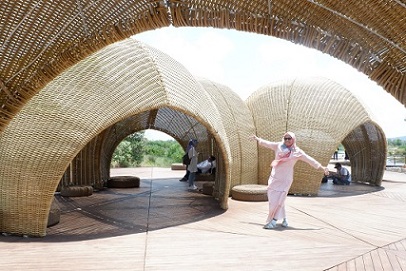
326	171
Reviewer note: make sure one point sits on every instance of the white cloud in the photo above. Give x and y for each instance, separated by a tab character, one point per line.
246	61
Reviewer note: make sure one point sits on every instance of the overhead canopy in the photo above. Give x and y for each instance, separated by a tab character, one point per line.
40	39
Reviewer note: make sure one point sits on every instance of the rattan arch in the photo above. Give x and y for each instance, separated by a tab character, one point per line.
234	115
38	40
322	114
112	85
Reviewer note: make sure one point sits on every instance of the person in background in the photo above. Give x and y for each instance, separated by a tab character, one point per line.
336	154
281	178
207	166
186	177
192	167
342	176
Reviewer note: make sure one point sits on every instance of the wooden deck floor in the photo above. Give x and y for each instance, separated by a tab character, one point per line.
161	226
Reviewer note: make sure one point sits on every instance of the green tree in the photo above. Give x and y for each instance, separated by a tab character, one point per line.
130	151
135	150
162	153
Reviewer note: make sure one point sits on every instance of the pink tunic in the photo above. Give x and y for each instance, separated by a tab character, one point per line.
282	177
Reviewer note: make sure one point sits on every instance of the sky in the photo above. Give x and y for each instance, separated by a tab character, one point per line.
246	61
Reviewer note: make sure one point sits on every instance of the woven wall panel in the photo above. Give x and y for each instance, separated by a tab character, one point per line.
322	114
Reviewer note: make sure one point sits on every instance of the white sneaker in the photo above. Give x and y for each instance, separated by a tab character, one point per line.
270	225
193	187
284	223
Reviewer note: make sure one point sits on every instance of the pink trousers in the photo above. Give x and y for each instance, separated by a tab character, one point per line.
276	200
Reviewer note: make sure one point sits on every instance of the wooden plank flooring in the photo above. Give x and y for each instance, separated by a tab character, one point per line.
162	226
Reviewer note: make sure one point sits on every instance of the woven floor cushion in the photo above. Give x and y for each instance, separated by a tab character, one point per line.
53	217
205	177
208	188
178	166
123	182
250	192
77	191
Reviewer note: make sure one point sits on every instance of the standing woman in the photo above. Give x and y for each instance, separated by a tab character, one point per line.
186	177
192	167
286	156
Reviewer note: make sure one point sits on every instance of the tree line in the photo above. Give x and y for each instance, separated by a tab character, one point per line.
396	146
137	151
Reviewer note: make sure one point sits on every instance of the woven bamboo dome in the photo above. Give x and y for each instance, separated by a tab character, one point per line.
78	119
38	40
237	122
63	95
322	114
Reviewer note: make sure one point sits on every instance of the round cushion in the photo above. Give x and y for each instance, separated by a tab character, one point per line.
250	192
208	188
76	191
204	177
123	182
178	166
53	217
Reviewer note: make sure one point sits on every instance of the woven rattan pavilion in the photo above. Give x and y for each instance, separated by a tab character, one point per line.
54	109
323	114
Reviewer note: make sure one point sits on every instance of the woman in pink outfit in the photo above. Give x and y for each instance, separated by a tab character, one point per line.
286	156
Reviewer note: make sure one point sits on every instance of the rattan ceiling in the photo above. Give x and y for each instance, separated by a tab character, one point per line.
40	39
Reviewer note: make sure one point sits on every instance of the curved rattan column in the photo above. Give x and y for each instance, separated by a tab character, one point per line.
367	149
321	113
56	124
239	126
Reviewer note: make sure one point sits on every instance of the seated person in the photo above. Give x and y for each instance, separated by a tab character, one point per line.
342	176
207	166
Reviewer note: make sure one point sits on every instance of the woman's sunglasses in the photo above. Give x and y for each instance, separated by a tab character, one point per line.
287	138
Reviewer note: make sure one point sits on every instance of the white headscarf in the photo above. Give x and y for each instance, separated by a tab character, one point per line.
286	152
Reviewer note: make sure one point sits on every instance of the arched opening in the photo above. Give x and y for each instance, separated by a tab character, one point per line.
85	111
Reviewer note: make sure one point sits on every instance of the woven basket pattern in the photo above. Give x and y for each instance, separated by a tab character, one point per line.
366	147
78	106
234	115
61	97
322	114
39	40
179	125
239	125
